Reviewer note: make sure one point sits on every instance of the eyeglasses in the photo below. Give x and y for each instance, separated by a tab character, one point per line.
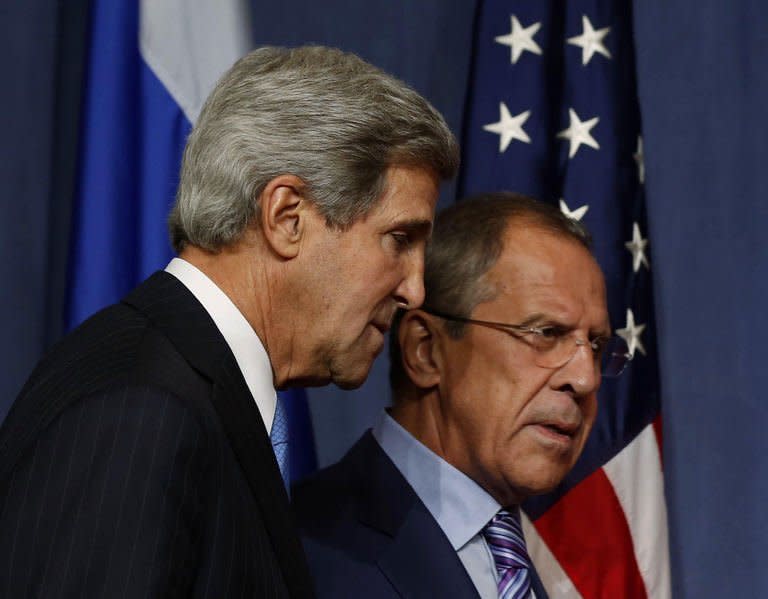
554	346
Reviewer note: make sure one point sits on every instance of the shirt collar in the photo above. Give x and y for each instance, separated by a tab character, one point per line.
459	505
249	352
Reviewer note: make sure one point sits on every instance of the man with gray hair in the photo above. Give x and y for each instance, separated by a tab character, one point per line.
494	383
143	458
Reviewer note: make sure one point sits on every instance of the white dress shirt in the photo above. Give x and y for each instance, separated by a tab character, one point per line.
246	346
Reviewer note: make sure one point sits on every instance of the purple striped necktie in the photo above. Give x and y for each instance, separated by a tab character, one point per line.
504	536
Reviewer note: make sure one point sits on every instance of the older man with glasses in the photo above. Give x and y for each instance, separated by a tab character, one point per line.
495	383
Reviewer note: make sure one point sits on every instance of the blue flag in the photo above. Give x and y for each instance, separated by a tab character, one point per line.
151	65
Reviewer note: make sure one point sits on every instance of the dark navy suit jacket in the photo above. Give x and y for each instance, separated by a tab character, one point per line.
367	534
135	463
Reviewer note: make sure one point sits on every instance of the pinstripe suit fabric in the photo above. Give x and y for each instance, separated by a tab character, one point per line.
135	464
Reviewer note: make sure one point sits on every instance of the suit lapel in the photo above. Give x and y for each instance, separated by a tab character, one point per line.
418	559
173	308
245	429
537	586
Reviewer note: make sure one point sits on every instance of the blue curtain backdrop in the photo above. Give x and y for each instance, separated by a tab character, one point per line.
703	95
703	89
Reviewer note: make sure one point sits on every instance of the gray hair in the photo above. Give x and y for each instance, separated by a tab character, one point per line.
467	240
323	115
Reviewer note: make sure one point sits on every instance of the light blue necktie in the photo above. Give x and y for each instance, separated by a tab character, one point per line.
504	536
279	438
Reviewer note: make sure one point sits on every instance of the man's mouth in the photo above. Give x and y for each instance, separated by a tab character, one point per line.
559	430
562	427
384	323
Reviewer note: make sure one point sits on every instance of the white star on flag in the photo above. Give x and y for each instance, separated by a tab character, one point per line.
509	127
640	159
576	214
520	39
631	334
578	132
637	246
590	41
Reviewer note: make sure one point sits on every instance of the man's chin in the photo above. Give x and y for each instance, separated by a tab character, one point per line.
348	382
352	376
348	385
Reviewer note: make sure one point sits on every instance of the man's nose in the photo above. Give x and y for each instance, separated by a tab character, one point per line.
410	292
582	371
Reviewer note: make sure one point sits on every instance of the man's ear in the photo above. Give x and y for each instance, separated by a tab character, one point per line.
283	213
418	348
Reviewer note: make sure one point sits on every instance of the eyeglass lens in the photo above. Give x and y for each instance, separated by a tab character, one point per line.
613	359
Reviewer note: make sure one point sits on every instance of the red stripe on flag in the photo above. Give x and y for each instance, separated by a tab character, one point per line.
588	534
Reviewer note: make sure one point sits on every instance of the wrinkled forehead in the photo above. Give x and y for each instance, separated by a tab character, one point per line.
539	271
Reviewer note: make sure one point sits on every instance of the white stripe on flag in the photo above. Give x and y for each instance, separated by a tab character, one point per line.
637	478
556	581
189	44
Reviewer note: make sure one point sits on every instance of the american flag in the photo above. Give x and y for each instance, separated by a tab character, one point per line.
552	112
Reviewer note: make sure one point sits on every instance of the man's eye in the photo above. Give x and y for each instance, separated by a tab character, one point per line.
552	332
402	240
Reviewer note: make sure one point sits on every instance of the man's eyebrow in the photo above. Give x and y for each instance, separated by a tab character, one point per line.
415	228
538	318
602	332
